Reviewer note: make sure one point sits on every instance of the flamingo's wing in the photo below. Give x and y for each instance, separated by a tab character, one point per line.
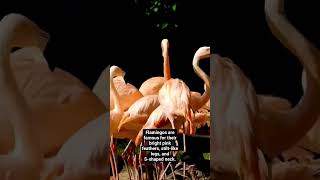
174	96
139	111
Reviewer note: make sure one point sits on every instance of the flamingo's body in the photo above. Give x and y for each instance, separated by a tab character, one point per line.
174	96
128	94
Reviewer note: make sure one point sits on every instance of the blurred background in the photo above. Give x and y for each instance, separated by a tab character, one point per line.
86	37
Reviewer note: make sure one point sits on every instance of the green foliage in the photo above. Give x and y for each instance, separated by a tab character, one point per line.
206	156
162	13
121	145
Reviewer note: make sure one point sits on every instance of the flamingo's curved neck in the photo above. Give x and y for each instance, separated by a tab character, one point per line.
12	28
286	128
206	95
116	97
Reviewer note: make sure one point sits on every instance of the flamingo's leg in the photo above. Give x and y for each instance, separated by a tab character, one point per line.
114	159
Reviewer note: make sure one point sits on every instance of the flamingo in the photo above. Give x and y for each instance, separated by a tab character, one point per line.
153	85
68	164
274	130
234	147
295	123
117	113
24	161
128	93
55	98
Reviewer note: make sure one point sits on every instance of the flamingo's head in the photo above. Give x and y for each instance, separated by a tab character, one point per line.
165	47
203	52
116	71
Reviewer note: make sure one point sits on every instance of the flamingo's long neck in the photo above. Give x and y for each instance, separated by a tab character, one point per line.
206	95
13	103
166	64
116	97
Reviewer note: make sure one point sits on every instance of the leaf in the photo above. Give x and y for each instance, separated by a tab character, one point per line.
155	9
179	156
164	25
206	156
174	7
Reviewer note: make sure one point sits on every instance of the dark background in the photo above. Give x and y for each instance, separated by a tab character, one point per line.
86	37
